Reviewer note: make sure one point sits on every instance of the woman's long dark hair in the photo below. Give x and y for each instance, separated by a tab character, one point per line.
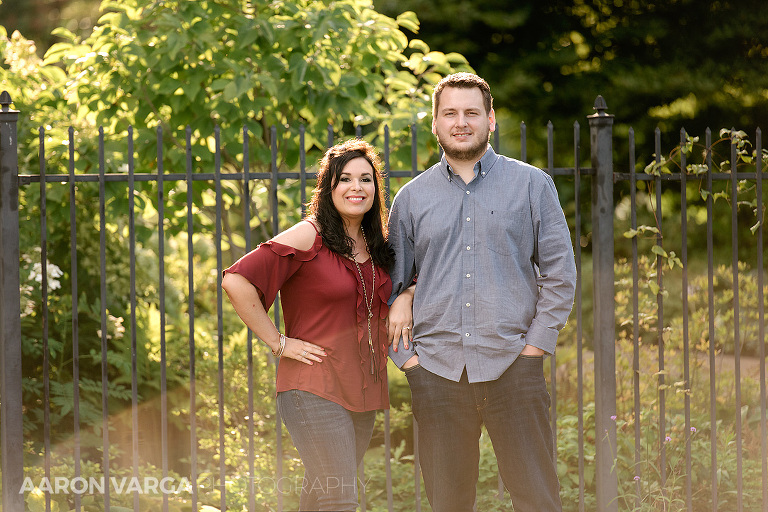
331	224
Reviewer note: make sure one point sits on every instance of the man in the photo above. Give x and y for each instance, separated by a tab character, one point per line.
488	243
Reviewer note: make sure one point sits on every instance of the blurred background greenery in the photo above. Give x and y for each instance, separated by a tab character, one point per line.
175	64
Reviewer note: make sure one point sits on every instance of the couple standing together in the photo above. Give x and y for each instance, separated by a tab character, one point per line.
466	294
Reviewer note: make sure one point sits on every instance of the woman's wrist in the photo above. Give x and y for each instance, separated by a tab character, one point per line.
279	348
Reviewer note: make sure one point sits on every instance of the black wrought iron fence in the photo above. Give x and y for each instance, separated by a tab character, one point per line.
628	388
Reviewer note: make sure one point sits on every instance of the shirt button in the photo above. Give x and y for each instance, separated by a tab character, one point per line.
467	192
467	335
469	275
468	304
468	219
469	248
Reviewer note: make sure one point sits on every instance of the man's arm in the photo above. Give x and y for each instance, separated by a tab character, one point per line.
404	268
553	254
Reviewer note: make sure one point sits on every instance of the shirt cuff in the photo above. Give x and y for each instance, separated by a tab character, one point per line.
402	355
541	336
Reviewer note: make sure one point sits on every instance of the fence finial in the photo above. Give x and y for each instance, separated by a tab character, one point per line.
5	101
600	105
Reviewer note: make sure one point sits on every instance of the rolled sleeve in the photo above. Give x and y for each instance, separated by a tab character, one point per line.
557	269
404	269
401	241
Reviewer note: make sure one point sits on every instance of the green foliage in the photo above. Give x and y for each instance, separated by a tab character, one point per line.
196	64
211	73
173	65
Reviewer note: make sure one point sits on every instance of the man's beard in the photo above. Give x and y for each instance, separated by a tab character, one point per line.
467	154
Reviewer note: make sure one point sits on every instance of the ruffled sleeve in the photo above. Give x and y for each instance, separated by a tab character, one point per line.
271	264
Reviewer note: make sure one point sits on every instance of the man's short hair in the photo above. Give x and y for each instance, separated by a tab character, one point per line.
462	81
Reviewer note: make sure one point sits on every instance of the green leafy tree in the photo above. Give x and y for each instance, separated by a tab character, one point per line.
667	63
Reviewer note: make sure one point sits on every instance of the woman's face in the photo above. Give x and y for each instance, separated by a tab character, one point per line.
355	191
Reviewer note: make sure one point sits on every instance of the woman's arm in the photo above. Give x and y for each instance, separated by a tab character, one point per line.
245	299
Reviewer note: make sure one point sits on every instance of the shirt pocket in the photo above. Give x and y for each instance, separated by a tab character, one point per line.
504	231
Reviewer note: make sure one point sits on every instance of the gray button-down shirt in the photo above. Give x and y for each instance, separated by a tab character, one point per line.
494	261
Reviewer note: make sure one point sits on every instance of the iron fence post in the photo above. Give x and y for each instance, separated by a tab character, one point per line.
11	427
604	324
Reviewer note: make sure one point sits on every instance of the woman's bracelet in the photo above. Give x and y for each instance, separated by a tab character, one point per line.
279	352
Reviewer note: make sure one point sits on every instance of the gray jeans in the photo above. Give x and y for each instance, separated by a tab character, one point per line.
331	441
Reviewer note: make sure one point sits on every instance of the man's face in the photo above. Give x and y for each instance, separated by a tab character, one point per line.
462	125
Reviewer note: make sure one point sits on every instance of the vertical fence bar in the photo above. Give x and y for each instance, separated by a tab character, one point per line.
303	169
686	341
711	316
44	314
579	325
132	299
220	320
416	461
553	359
161	289
387	169
249	337
761	313
523	143
660	322
414	152
275	231
635	316
550	148
103	295
736	316
191	316
361	486
604	312
134	341
499	480
387	430
12	428
416	466
75	322
387	460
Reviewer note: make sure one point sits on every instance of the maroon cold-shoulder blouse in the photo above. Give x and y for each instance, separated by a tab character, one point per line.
322	301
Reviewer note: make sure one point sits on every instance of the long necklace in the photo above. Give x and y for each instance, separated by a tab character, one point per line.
369	304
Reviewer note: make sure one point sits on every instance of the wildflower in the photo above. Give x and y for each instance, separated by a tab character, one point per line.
693	429
613	417
637	478
668	439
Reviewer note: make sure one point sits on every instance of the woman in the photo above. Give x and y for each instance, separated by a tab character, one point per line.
331	271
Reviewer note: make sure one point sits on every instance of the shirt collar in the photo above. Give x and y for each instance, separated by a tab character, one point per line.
482	166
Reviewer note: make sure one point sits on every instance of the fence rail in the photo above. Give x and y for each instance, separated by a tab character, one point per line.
612	428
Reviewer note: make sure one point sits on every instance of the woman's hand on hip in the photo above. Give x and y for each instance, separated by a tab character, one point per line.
304	351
